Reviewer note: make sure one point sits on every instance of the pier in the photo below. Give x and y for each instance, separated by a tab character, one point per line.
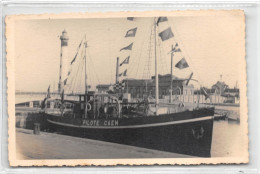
56	146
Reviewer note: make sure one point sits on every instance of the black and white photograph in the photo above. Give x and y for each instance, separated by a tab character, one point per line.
138	88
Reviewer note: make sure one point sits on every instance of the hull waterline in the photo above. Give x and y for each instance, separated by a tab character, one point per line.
186	133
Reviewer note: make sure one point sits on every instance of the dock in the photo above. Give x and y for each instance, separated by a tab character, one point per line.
56	146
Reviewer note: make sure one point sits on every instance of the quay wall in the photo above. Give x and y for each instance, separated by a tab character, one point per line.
26	120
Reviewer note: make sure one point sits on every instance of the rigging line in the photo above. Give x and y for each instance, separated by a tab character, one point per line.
109	53
93	73
141	52
158	41
148	62
150	54
79	64
82	76
74	81
89	76
68	87
132	65
80	79
78	48
139	58
93	66
161	62
162	57
195	70
176	40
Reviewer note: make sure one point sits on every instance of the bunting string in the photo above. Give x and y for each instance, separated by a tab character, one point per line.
130	33
193	69
80	52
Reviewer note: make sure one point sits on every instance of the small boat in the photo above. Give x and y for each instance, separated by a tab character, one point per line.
220	117
176	127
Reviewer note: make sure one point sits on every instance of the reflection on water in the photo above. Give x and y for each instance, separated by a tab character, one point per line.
227	139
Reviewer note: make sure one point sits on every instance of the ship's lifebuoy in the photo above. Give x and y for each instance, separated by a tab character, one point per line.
198	133
105	108
88	106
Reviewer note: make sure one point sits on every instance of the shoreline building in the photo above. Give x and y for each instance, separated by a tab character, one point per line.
221	93
139	88
103	88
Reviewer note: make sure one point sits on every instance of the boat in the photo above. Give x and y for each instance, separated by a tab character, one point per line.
174	127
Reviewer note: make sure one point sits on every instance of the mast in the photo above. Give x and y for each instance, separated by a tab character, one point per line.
156	73
60	82
85	56
171	75
117	67
86	82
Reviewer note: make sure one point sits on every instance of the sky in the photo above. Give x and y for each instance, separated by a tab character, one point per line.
211	44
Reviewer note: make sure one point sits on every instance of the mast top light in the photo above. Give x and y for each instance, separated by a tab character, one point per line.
64	38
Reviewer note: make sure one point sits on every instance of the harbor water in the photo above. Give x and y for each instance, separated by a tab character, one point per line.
226	140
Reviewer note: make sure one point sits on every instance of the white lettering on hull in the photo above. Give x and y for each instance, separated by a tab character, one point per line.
100	122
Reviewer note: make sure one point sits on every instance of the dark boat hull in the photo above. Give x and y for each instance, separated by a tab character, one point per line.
186	133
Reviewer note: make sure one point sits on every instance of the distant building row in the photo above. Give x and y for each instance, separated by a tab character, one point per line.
138	88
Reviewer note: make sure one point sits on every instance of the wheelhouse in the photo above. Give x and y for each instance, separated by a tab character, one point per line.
96	106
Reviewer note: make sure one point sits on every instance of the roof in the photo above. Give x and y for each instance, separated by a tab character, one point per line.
219	84
168	76
234	90
103	85
149	82
138	82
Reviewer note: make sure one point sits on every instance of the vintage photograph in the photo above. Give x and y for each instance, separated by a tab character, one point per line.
127	88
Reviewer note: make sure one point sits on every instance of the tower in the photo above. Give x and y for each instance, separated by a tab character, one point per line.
63	59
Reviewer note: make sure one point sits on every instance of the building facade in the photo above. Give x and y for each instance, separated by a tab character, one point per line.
139	88
103	88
